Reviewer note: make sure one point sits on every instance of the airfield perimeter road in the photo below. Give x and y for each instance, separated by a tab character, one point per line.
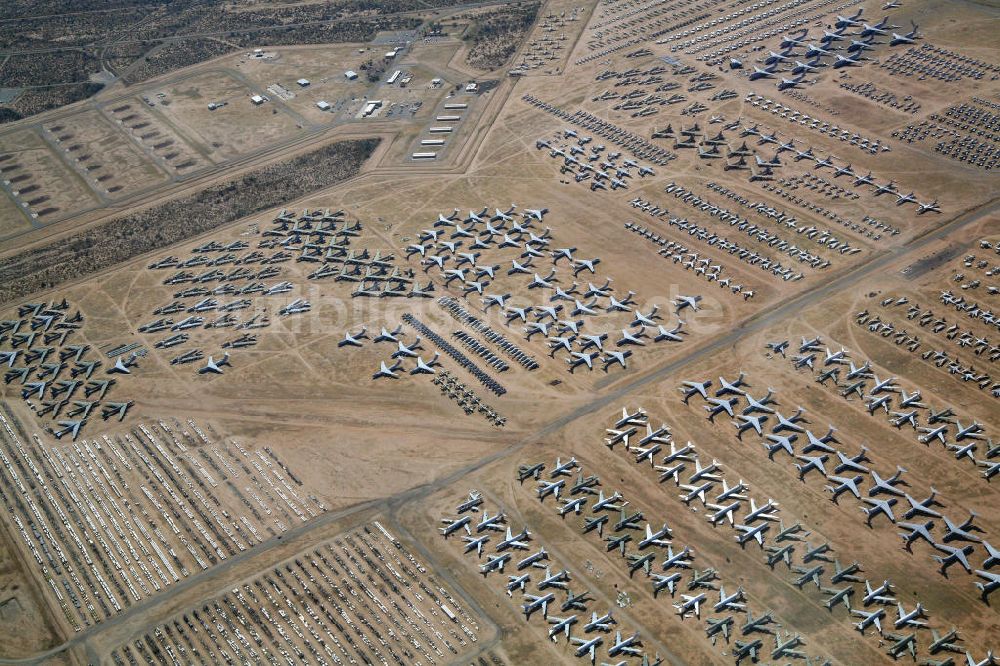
155	609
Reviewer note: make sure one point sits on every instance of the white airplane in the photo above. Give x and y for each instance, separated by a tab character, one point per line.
354	340
389	336
747	422
931	207
911	618
403	350
869	619
766	73
843	61
581	358
474	543
542	282
386	371
213	366
689	388
682	302
691	605
588	647
673	335
843	484
616	357
428	367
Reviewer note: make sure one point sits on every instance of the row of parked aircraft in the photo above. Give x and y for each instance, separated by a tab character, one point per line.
844	473
844	46
58	377
590	635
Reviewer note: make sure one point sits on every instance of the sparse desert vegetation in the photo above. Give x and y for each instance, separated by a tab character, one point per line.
495	35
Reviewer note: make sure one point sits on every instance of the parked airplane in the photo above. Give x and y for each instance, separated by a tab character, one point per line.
213	366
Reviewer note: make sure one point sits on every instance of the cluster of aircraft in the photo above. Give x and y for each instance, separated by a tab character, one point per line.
964	339
466	398
878	394
763	169
756	232
844	473
548	591
391	368
603	172
971	309
325	238
817	234
814	562
560	318
691	260
625	529
873	146
844	46
57	376
621	137
646	90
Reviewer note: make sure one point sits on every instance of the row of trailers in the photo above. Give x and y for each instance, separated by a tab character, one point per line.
430	146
